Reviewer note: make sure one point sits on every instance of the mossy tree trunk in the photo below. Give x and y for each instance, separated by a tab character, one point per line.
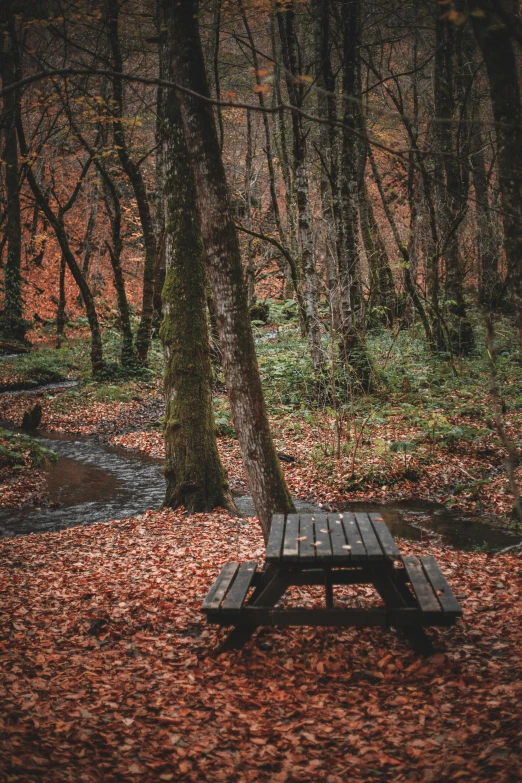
194	473
221	245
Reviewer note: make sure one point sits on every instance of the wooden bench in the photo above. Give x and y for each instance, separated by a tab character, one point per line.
332	550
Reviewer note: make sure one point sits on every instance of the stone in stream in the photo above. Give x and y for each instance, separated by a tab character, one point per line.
32	418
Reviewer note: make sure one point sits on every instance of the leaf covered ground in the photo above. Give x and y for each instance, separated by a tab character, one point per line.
109	672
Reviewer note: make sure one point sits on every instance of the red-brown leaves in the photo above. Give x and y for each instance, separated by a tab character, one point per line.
143	697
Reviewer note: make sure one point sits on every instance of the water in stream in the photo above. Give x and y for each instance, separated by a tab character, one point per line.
92	482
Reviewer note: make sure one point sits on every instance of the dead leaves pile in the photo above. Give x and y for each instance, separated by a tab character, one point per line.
108	672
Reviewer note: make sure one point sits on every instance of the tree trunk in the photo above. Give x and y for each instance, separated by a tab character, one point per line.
61	318
328	135
289	48
12	323
193	470
497	49
264	474
250	265
161	263
452	198
491	287
382	285
133	172
87	245
353	345
408	280
113	208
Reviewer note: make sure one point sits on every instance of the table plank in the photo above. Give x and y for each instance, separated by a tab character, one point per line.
353	537
291	544
386	541
425	595
219	588
306	546
322	537
275	541
237	593
369	538
337	537
440	586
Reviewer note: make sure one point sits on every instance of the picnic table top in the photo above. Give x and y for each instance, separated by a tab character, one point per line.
326	539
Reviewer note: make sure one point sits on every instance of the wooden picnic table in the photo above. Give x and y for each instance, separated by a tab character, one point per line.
329	550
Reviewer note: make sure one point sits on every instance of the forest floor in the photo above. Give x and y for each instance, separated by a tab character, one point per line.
108	671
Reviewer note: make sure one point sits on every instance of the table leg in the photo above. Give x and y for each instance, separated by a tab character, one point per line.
328	588
392	592
271	588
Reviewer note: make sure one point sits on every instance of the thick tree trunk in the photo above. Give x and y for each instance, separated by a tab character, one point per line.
133	172
495	43
264	474
193	470
12	323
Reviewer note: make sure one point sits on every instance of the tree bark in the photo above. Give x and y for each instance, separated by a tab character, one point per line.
452	198
264	474
61	317
290	49
113	208
133	172
328	136
12	322
497	49
193	470
353	345
382	285
491	286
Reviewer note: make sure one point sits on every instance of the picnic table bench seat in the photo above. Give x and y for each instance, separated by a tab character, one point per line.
328	550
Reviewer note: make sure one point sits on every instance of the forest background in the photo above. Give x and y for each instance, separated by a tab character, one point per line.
370	199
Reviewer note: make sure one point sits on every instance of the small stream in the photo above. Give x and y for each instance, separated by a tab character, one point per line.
90	482
93	482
